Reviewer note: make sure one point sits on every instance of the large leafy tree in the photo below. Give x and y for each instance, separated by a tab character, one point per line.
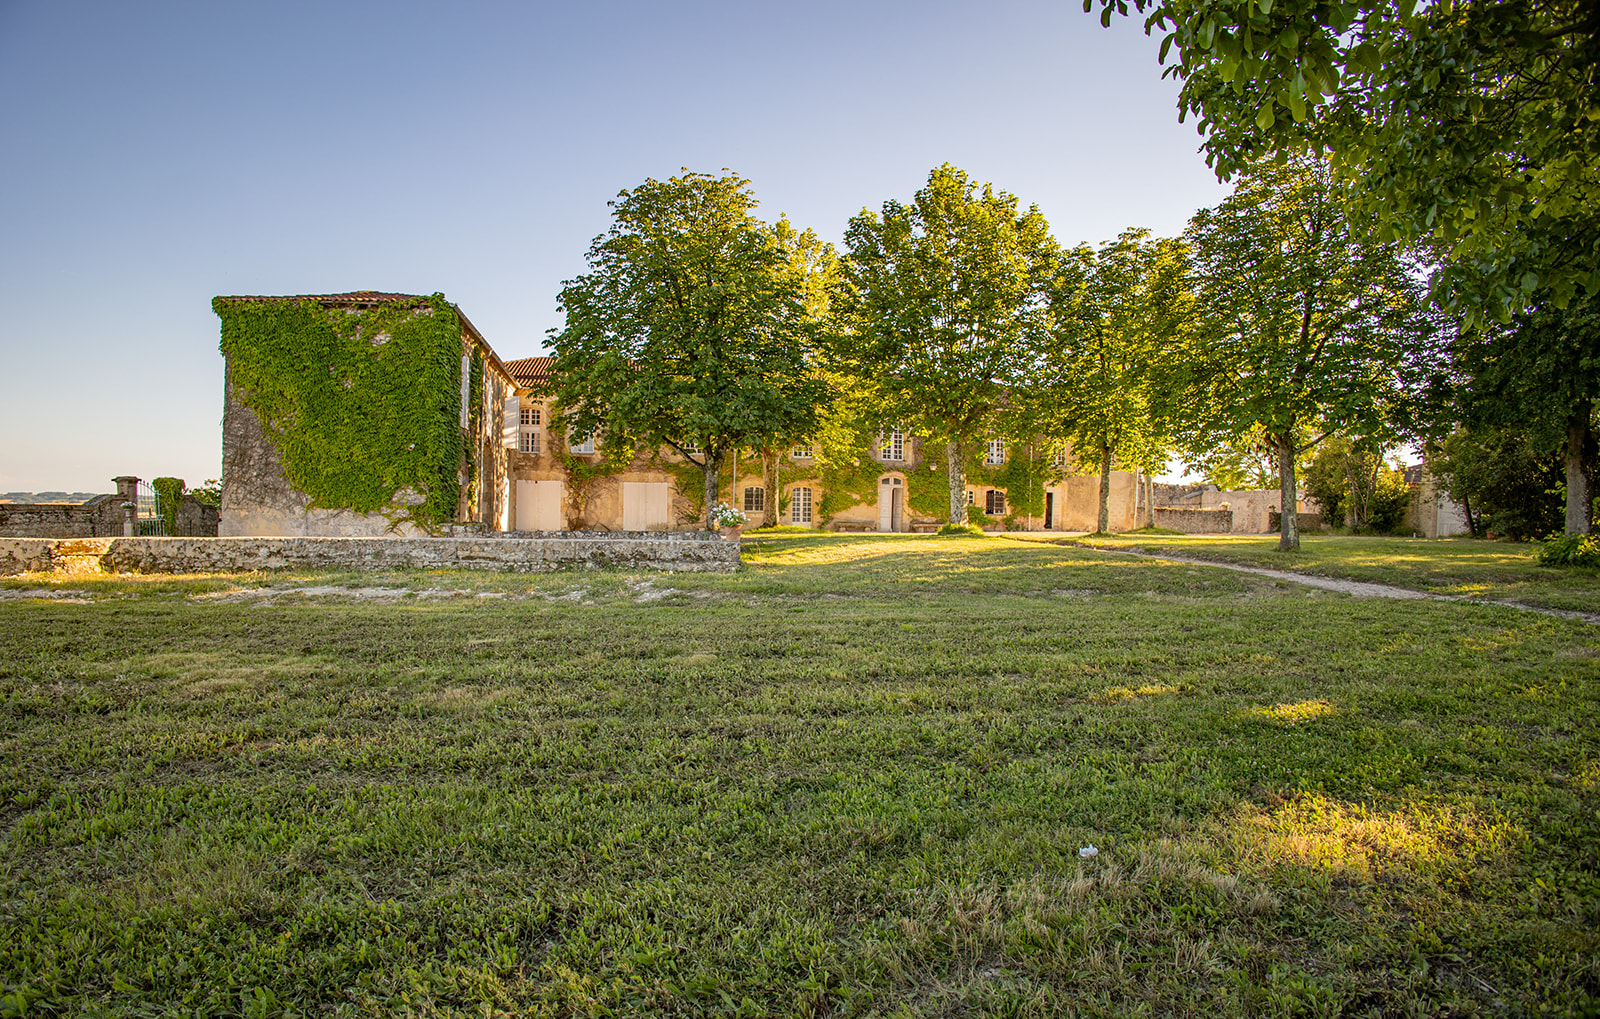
1539	376
1305	322
1114	316
1469	121
692	326
936	302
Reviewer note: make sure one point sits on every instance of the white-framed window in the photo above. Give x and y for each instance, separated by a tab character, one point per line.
892	445
800	505
529	442
580	445
803	452
755	500
994	504
690	447
997	453
531	417
970	501
1060	459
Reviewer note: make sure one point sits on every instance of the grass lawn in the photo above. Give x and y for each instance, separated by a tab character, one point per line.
1456	566
852	779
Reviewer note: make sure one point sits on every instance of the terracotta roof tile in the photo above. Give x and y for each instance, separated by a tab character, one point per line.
528	371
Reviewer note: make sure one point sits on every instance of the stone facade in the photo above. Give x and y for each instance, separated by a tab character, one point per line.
696	551
1195	521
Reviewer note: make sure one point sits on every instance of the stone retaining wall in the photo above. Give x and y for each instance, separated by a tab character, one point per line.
1195	521
691	551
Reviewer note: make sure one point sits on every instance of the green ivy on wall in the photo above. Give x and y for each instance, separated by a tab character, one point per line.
169	493
362	403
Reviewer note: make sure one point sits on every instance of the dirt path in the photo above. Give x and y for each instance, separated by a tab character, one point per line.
1358	588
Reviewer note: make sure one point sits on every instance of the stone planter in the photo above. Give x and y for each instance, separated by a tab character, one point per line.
732	533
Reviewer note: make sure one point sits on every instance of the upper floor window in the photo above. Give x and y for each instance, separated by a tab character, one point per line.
755	500
803	452
690	447
1060	459
531	417
580	445
892	445
997	453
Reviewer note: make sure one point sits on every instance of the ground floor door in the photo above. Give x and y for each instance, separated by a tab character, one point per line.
646	505
539	506
891	504
1049	510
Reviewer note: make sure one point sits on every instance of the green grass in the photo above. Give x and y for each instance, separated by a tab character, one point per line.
1454	566
851	779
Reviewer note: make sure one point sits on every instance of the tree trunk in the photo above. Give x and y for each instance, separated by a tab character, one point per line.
713	481
1472	522
1104	520
1580	497
1288	499
958	484
1149	499
769	481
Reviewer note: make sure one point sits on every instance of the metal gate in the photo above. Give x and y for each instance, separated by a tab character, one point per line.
150	521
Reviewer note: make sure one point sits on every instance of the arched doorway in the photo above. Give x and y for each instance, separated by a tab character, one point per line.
891	503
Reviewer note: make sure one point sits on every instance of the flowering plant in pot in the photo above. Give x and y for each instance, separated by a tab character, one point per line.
729	520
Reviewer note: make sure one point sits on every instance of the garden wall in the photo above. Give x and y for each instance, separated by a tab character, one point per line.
695	551
1195	521
1304	522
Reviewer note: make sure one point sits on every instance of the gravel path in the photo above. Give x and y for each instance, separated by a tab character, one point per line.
1358	588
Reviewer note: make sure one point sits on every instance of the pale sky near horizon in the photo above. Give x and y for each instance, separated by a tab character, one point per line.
162	153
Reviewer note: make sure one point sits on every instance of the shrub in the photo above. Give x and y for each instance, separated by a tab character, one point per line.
1570	550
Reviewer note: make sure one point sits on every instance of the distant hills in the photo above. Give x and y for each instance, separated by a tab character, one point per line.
29	497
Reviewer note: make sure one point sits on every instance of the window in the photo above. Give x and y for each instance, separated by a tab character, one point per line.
892	446
690	447
997	453
530	417
577	445
969	497
994	503
755	500
802	452
1060	459
530	442
800	505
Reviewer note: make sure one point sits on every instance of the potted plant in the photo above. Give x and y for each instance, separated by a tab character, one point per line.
729	520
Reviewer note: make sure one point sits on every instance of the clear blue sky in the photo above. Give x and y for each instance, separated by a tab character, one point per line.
160	153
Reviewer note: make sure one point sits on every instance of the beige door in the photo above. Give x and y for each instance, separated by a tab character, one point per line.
539	506
646	505
891	504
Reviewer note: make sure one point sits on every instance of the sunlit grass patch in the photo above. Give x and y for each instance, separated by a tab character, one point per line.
1293	714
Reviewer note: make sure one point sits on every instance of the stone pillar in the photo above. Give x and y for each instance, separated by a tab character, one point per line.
128	497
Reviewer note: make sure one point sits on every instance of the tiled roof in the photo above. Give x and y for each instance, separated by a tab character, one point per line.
528	371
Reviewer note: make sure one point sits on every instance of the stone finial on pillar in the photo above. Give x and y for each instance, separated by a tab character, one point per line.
128	495
127	488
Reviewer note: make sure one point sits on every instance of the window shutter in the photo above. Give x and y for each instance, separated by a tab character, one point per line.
466	386
511	429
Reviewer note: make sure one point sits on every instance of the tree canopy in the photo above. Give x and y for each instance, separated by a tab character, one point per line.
936	299
1472	122
693	325
1306	322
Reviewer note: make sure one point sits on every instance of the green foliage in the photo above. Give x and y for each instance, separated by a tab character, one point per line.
1509	483
362	404
208	492
1470	123
169	493
693	324
963	530
1570	550
936	302
1351	483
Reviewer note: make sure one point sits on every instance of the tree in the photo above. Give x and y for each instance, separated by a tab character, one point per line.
1113	314
935	303
1540	375
1502	478
1470	121
692	327
1305	322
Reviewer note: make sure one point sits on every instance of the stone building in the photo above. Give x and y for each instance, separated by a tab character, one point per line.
384	414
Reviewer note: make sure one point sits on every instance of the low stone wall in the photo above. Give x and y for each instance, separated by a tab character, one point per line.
692	551
100	516
1305	523
1195	521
